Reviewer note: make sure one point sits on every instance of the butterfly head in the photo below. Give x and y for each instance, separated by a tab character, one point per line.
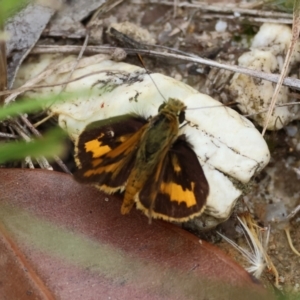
175	107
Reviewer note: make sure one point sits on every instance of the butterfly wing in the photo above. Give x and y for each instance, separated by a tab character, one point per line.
181	189
105	151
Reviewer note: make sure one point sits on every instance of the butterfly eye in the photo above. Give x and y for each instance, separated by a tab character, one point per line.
161	107
181	117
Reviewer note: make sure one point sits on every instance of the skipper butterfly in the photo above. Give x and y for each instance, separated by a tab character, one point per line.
151	161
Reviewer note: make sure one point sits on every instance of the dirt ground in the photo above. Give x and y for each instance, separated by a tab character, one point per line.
277	187
275	192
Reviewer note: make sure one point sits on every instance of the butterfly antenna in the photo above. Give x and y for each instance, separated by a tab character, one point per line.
230	104
147	71
132	44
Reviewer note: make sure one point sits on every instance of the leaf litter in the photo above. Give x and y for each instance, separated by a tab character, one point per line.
278	183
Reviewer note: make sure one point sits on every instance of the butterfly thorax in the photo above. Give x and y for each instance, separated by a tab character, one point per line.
161	132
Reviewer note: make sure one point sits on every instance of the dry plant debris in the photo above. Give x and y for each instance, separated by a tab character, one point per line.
208	40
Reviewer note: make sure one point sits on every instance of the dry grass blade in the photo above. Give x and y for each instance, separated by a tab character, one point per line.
57	68
288	81
288	235
257	239
42	161
37	134
245	8
295	30
287	229
77	60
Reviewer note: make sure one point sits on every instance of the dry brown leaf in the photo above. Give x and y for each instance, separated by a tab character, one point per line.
67	241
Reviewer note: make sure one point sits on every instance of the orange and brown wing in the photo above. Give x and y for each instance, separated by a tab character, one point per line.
181	187
105	151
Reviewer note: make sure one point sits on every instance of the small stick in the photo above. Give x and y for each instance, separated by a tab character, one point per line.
288	235
293	43
8	135
37	133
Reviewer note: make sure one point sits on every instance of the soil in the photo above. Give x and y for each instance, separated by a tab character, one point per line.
193	31
277	187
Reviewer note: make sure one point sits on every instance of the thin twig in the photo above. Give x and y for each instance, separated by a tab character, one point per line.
22	132
242	19
288	81
276	106
288	235
57	68
175	5
8	135
258	245
24	88
293	212
295	35
37	133
71	49
42	161
51	115
223	7
28	162
83	47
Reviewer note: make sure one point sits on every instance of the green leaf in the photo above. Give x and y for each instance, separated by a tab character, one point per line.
30	105
19	107
11	7
47	146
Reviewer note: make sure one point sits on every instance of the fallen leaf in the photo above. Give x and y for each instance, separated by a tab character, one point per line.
59	239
